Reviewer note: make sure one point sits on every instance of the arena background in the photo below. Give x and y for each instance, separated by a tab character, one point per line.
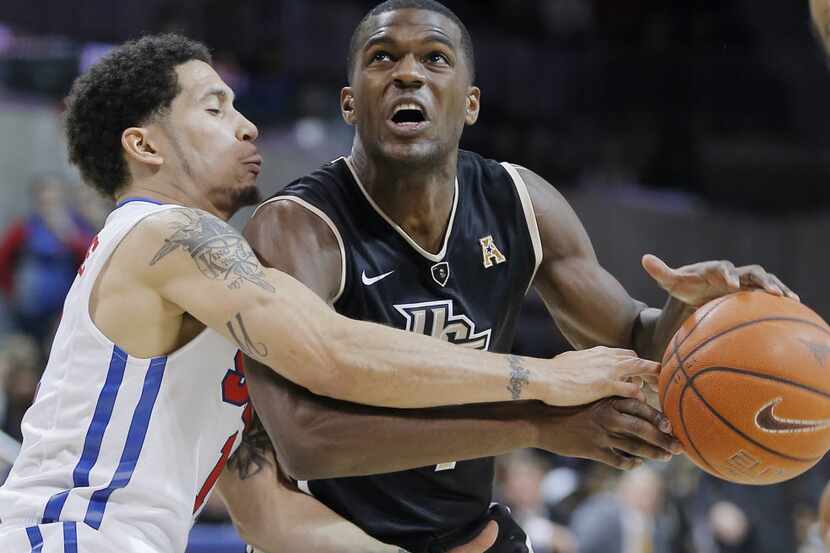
692	130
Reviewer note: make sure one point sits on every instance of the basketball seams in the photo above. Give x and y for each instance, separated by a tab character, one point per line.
674	354
750	323
689	436
739	432
763	376
690	384
677	346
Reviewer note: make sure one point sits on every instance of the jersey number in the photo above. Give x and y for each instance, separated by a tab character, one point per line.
92	247
235	392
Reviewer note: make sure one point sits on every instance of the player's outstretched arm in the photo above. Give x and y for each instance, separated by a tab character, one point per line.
271	514
317	437
203	266
592	308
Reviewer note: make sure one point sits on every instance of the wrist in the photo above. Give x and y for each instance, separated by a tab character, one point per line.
553	428
555	386
538	426
539	376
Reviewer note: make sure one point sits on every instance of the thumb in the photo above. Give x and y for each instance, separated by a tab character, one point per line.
658	270
482	542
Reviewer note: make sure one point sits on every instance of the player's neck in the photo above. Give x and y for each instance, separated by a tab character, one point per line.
164	193
419	200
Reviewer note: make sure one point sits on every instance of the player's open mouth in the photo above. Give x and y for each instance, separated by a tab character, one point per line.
408	118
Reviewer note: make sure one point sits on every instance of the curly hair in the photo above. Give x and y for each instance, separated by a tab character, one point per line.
427	5
128	87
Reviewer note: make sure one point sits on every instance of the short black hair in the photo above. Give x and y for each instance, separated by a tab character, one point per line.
133	83
428	5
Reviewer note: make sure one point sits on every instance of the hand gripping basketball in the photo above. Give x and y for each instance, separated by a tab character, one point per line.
699	283
618	432
588	375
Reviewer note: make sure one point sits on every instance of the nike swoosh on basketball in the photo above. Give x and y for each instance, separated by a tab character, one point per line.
368	281
768	421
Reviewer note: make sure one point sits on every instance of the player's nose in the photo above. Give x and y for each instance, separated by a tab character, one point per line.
246	131
408	72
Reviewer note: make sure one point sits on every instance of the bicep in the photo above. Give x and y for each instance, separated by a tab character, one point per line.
206	268
588	304
292	235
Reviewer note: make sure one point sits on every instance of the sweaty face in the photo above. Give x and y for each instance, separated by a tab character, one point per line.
210	142
410	86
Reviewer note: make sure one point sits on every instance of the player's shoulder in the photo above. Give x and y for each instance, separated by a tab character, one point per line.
326	180
165	240
308	203
157	227
542	193
472	165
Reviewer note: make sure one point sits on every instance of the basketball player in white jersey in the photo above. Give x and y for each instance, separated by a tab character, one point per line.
144	399
820	12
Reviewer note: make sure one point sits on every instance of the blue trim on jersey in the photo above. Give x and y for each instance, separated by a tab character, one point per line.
135	441
94	436
70	537
35	538
125	201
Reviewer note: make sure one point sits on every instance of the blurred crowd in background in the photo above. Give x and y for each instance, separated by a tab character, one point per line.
694	130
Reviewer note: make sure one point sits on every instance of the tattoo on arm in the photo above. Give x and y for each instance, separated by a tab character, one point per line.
236	327
220	252
518	376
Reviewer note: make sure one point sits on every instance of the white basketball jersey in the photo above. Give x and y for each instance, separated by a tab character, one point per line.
130	447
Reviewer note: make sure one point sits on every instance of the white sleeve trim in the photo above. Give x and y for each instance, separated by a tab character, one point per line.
530	216
319	213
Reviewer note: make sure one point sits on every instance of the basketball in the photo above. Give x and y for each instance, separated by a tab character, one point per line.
745	383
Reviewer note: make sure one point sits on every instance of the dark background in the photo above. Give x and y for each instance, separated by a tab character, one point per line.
723	99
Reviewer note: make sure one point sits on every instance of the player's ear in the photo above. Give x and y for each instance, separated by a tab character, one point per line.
139	146
473	105
347	108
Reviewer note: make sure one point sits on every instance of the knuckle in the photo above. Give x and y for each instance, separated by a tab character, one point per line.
638	427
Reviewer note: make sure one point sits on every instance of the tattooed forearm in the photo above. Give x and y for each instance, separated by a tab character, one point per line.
220	252
518	376
239	333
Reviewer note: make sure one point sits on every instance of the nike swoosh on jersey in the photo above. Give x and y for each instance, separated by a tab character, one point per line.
768	421
368	281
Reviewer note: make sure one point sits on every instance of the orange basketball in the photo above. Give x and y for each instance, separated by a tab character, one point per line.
745	383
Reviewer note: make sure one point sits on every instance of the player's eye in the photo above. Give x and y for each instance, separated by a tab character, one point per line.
438	58
213	111
381	56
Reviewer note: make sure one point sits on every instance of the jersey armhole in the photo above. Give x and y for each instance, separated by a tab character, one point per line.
530	217
96	266
326	219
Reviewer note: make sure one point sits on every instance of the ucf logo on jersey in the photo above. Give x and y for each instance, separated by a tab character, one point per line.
437	319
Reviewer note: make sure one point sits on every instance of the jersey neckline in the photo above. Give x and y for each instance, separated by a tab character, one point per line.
434	257
128	200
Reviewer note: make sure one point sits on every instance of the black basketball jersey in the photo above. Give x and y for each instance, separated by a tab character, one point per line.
469	293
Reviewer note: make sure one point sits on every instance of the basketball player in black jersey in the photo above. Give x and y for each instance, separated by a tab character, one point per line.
412	232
